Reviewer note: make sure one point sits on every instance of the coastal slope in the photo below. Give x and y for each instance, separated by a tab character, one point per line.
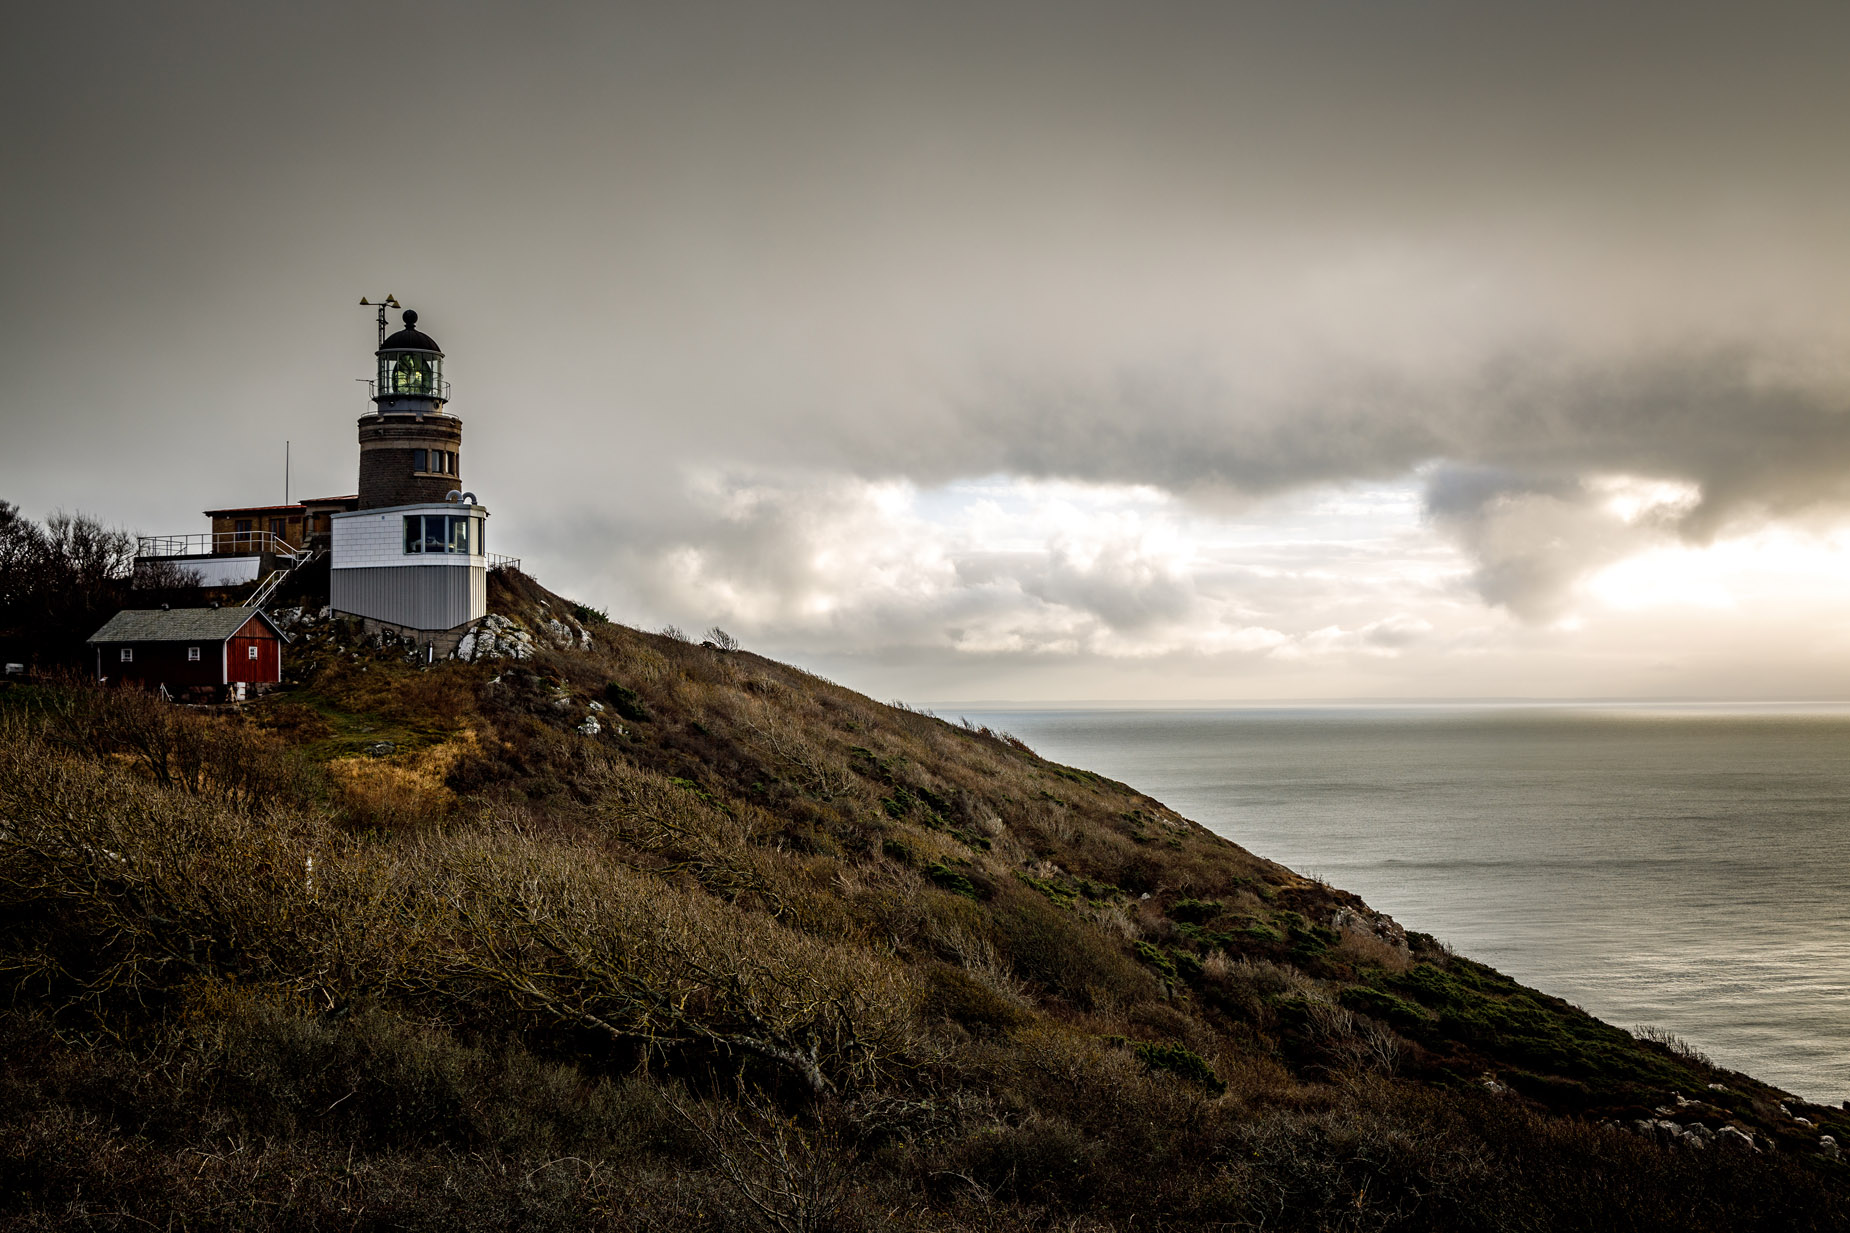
598	928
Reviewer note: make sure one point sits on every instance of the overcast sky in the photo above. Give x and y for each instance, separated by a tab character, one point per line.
996	351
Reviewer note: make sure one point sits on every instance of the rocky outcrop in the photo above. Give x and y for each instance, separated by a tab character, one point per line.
495	637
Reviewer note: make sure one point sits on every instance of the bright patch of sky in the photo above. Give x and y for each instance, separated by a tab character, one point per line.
1008	565
1009	587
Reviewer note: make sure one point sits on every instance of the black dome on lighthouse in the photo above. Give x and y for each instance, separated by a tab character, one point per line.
411	338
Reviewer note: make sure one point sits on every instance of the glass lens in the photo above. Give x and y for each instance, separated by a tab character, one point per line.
411	375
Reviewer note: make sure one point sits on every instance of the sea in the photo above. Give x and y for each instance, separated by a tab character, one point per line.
1685	867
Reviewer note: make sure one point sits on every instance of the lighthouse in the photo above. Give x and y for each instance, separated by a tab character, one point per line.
411	557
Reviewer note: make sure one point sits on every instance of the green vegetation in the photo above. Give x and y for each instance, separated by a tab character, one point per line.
627	703
402	947
1179	1061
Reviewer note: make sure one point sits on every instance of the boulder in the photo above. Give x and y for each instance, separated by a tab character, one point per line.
495	637
1736	1138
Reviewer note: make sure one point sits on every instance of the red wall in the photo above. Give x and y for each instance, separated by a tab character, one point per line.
266	668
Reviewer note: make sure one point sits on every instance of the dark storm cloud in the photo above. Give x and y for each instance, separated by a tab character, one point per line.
1759	433
1222	249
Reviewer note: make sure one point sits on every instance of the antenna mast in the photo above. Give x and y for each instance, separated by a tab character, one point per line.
390	301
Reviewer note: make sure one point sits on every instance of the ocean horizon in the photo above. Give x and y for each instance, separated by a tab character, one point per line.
1670	863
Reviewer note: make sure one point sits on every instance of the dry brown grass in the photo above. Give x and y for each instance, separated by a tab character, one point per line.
775	956
402	790
1364	949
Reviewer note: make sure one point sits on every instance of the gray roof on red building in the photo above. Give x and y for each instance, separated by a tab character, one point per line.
180	625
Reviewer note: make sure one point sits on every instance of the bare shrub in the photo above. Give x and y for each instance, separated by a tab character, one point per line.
680	823
1113	918
806	764
155	884
1355	1167
1265	978
629	956
1678	1047
786	1175
1050	948
177	747
1329	1023
1366	1045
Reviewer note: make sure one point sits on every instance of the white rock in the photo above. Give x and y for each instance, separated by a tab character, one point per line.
566	634
1734	1136
495	637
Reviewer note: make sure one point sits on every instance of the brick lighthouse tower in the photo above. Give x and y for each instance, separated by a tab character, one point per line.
410	558
410	447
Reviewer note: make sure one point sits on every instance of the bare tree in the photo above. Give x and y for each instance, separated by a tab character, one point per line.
59	582
164	575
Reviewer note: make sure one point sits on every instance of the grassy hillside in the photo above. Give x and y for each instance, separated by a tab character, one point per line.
634	933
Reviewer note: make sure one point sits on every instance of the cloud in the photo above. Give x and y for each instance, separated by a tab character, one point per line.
1101	534
1052	570
1519	456
1534	539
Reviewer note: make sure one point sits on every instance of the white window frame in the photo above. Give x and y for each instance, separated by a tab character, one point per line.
192	654
126	655
474	526
250	652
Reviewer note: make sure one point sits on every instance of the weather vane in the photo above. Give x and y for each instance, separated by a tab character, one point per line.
390	301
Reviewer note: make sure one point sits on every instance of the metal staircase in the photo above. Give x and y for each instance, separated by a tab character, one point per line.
267	588
273	581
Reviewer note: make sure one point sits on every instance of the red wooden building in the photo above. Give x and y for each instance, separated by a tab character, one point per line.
191	652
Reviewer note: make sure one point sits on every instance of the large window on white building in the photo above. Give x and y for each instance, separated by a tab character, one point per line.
460	534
